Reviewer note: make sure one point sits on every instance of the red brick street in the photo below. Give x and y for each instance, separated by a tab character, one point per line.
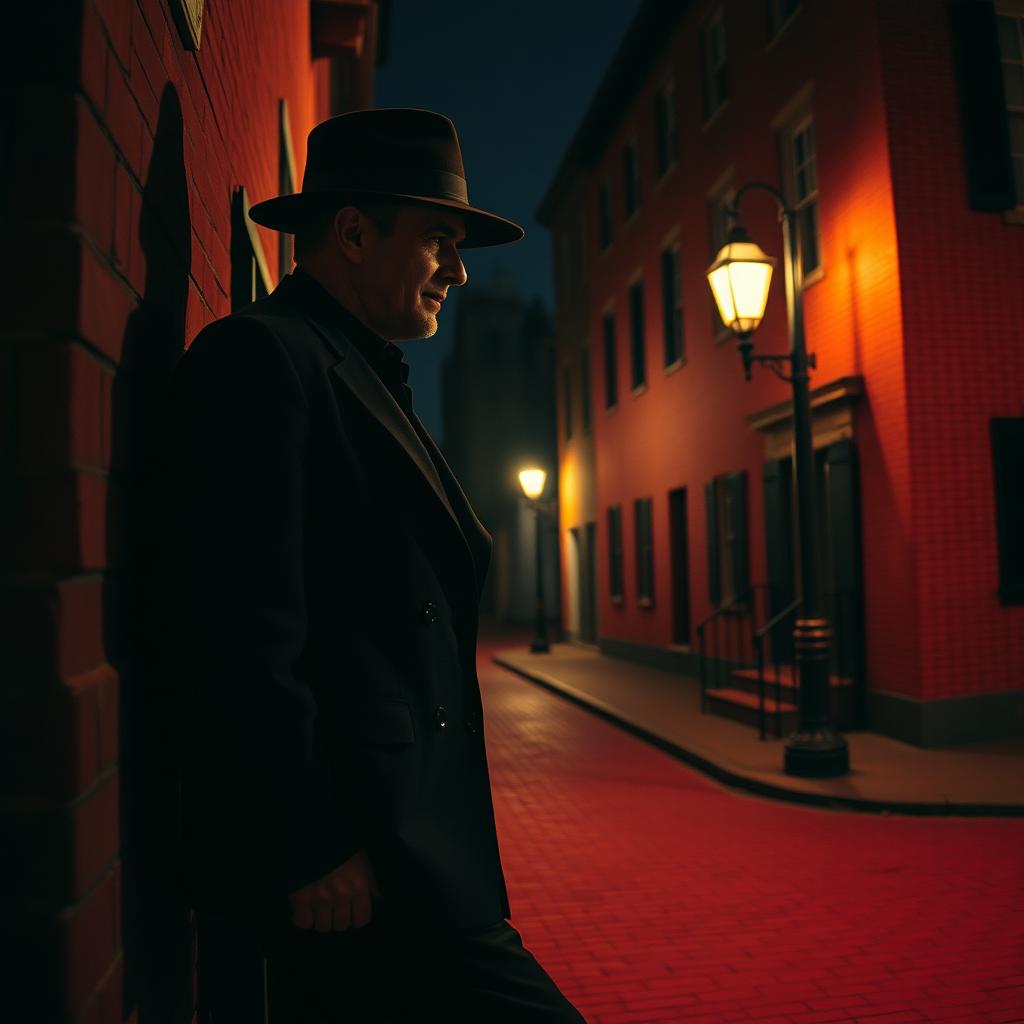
652	893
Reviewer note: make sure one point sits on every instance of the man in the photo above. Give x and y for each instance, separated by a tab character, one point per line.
335	790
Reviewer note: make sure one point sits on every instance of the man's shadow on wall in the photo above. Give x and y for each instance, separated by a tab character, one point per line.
155	923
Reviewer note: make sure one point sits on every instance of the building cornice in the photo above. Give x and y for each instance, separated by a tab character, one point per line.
842	391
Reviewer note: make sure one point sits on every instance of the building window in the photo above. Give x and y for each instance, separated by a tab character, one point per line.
644	552
250	276
801	177
719	225
567	400
726	506
636	334
665	124
631	179
1011	47
716	79
778	13
585	387
286	185
672	304
611	369
1008	460
615	552
605	214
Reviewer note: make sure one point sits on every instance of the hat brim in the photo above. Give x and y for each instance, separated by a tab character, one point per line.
291	212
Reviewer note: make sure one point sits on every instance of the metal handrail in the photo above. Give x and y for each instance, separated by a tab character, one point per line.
759	636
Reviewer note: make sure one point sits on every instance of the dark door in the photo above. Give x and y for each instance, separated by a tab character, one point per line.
588	585
680	558
778	533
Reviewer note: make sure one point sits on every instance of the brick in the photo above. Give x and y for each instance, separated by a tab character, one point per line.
89	930
51	738
93	62
116	17
106	305
110	994
124	220
95	835
94	180
124	119
59	406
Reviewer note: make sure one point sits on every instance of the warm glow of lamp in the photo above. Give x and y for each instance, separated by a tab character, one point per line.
532	482
739	279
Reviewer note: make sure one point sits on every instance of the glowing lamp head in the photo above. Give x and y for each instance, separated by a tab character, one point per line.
739	279
532	482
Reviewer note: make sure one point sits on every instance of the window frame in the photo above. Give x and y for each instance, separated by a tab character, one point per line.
1015	12
676	328
637	338
720	196
715	77
798	122
774	29
643	535
567	401
286	179
631	180
616	590
666	128
606	230
586	409
609	346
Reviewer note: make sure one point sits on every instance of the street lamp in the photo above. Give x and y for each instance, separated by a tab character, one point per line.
531	480
739	280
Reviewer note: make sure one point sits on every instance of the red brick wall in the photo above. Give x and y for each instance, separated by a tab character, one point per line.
122	150
689	425
963	310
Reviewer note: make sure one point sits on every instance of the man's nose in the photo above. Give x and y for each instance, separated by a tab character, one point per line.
454	270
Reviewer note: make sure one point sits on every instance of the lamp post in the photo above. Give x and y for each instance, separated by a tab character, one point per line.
739	280
531	480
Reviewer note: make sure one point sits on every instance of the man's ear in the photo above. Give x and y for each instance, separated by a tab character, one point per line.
349	230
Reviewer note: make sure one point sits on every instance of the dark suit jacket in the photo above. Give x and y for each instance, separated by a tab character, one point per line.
329	570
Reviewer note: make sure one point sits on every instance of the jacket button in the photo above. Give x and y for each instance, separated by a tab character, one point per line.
428	613
441	717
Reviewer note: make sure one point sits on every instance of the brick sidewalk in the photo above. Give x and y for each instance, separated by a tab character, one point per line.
652	894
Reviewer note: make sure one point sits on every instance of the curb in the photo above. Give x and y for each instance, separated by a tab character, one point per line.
738	780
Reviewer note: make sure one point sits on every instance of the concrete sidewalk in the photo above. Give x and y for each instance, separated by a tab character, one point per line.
663	708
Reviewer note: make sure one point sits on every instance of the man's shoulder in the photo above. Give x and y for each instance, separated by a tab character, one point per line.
265	324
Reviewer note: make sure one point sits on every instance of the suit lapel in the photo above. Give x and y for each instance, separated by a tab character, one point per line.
359	379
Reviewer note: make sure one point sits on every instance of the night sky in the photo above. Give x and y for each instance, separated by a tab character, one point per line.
516	78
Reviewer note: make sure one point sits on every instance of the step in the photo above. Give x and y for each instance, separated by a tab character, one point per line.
743	707
746	679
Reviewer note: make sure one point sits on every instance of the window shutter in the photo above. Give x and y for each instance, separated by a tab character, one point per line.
842	495
737	484
778	533
1008	467
714	584
984	127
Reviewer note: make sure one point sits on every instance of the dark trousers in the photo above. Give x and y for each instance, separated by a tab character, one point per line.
391	971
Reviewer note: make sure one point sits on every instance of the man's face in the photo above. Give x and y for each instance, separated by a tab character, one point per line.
405	276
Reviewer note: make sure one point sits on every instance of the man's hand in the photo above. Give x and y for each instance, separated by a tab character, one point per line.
340	900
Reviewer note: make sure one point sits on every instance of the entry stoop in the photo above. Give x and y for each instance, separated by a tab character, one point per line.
740	701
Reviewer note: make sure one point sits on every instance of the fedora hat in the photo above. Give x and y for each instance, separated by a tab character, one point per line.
391	154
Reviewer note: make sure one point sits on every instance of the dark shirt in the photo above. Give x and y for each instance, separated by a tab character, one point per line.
386	358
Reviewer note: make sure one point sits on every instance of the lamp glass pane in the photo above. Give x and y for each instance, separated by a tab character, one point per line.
749	285
719	281
532	482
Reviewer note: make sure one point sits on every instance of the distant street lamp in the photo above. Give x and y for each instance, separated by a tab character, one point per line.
739	280
531	480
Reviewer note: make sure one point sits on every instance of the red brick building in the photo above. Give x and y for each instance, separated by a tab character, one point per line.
135	134
897	131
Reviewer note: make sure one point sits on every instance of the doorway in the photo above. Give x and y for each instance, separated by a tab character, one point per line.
679	554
